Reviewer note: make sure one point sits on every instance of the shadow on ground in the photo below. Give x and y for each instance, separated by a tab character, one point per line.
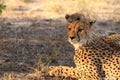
23	49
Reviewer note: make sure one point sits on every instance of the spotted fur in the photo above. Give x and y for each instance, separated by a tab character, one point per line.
94	59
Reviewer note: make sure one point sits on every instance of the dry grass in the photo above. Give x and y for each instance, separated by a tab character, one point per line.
24	52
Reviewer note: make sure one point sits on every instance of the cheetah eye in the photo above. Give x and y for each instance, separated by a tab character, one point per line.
79	30
78	18
69	29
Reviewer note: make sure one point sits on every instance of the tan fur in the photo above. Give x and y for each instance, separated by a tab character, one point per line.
113	40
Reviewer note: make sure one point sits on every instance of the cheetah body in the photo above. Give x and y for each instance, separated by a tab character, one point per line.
94	58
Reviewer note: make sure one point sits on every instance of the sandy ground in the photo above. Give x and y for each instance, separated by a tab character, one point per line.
28	42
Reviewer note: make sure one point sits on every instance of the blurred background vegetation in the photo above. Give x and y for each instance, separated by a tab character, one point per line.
27	1
2	6
99	9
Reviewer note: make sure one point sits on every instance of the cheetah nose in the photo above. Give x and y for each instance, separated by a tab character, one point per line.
72	37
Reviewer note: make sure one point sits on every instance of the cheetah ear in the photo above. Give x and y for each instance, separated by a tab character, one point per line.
90	22
67	16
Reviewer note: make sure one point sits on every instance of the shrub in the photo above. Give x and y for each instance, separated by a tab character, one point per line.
2	7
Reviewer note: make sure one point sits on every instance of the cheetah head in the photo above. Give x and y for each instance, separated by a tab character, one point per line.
80	32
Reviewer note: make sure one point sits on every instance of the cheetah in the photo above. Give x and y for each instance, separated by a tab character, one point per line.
112	38
94	59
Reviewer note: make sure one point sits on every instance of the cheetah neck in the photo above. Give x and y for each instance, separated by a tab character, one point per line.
89	39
